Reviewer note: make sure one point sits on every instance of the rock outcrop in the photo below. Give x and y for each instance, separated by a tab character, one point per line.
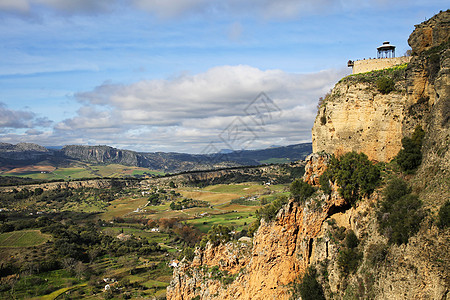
281	250
23	152
356	116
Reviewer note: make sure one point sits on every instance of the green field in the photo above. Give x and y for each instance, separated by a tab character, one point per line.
23	238
81	171
281	160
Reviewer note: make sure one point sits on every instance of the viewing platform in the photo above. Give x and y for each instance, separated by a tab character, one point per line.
385	59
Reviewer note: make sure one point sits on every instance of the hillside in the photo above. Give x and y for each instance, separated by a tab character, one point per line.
375	226
22	154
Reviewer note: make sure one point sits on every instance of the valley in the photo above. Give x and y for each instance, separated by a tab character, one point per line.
119	233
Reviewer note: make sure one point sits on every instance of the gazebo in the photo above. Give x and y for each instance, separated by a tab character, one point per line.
386	50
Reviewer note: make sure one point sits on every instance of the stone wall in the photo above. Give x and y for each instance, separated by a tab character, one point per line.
367	65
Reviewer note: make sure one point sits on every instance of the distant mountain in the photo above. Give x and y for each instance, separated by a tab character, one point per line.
24	153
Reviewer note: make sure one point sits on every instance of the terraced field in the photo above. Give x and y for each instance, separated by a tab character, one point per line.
23	238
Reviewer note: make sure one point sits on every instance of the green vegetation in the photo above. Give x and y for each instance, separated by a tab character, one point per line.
444	215
76	237
23	238
376	253
308	287
269	211
355	175
80	171
301	191
399	214
395	73
349	257
385	84
218	234
409	157
188	203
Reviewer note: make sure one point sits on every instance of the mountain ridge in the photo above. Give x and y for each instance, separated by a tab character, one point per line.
28	153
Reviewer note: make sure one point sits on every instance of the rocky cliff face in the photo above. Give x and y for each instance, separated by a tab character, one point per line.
23	152
355	117
101	154
280	251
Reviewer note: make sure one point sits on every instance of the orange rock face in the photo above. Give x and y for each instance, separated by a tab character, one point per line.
280	251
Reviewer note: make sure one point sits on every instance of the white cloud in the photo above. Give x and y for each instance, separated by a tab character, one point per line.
268	9
15	118
186	113
17	6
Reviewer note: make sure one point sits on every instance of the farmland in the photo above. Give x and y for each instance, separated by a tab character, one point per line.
72	242
78	171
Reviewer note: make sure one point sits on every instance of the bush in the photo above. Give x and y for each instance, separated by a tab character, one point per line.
349	257
400	213
444	215
187	253
253	227
324	182
269	211
376	253
395	189
301	191
385	84
409	157
351	240
218	234
355	174
348	260
308	288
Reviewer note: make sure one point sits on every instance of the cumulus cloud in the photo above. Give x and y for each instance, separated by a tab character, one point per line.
29	7
15	118
175	8
16	6
189	111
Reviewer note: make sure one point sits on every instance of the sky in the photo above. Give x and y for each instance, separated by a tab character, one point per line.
193	76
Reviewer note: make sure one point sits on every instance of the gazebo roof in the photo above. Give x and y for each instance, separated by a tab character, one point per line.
386	46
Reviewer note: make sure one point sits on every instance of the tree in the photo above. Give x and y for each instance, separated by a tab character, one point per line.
400	213
355	174
409	157
385	84
309	288
301	191
444	215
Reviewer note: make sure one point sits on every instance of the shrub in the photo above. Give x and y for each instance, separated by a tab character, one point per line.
269	211
187	253
308	288
399	214
253	227
396	189
385	84
300	190
218	234
324	182
349	257
351	240
355	174
348	260
409	157
444	215
376	253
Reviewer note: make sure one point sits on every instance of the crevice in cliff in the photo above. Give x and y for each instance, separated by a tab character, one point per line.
337	209
310	246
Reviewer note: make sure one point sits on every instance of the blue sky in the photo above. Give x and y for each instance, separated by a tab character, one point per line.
152	75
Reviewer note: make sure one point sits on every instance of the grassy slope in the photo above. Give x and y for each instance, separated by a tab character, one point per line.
23	238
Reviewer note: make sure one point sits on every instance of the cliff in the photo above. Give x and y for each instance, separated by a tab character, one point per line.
26	154
360	116
22	152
